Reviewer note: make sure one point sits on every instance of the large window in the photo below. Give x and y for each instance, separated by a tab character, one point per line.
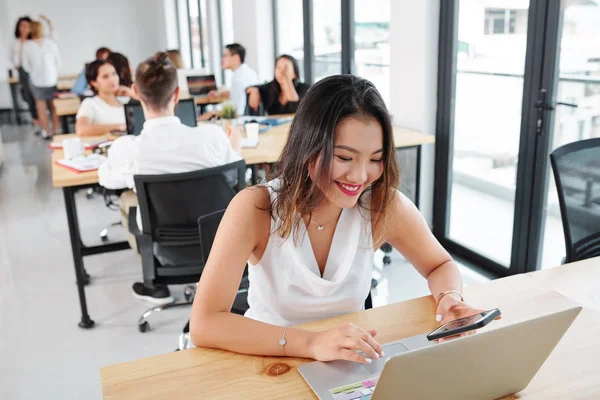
183	25
372	43
339	27
327	38
289	31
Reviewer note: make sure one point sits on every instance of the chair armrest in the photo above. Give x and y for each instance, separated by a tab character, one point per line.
134	229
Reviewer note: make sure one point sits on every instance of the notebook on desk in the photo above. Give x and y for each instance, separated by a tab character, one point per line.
86	145
88	163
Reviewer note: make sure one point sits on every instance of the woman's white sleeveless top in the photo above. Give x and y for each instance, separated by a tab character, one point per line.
286	287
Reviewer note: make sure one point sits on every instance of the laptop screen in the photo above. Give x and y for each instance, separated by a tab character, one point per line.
185	110
201	85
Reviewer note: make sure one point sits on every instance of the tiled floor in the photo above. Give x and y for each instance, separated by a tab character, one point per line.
43	353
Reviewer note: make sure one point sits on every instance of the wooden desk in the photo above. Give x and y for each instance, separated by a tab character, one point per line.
571	371
66	106
271	143
63	177
579	281
72	182
65	82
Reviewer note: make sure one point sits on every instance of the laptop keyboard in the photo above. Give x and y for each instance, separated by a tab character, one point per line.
362	390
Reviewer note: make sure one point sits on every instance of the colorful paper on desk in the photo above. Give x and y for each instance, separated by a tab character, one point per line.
87	163
87	146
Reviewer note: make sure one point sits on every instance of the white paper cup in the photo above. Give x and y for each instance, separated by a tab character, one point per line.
72	148
252	129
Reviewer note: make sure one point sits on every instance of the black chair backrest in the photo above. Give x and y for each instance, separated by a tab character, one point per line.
576	168
254	113
134	115
170	206
208	226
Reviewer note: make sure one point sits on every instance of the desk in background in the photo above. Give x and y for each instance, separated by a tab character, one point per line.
571	372
268	151
71	182
68	107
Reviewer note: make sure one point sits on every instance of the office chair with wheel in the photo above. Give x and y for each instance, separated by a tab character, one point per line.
170	206
576	168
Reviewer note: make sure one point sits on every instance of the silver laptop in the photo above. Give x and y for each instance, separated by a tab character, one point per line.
487	365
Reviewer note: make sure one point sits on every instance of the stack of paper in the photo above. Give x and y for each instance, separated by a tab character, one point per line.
87	163
87	145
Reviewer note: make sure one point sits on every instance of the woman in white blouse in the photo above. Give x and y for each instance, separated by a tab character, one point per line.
41	60
104	112
309	236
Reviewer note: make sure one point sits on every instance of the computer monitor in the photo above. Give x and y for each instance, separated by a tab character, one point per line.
200	85
134	114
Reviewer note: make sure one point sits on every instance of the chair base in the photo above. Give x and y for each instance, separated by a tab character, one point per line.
104	232
189	293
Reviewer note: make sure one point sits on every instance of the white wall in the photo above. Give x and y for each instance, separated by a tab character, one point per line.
135	28
253	29
5	44
414	28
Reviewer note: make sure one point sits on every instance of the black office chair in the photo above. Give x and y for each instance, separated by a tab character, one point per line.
208	225
576	168
170	206
254	113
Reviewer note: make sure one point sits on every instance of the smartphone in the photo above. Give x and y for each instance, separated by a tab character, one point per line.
465	324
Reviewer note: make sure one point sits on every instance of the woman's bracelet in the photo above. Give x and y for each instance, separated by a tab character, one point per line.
447	292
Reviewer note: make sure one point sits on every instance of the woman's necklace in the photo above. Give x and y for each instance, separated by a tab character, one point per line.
321	227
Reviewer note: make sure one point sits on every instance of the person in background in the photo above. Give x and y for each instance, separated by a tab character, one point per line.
80	87
175	58
121	64
22	34
308	237
283	94
244	76
104	112
165	146
41	60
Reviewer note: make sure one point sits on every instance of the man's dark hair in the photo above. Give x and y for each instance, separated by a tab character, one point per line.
238	49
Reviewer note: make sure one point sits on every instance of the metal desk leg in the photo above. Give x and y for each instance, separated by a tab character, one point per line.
64	121
254	171
76	246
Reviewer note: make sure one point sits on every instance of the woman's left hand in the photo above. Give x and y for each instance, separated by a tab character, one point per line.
125	91
451	308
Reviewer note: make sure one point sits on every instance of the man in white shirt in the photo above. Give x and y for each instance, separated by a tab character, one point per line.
243	76
165	146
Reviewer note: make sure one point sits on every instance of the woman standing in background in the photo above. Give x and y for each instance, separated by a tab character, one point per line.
22	34
41	59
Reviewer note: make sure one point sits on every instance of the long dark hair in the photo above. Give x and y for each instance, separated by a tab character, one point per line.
121	64
26	19
274	88
311	138
156	81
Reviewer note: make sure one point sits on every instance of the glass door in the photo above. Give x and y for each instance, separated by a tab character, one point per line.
576	117
484	91
506	99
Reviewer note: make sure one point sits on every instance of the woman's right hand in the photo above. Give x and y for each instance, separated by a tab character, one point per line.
342	342
254	98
